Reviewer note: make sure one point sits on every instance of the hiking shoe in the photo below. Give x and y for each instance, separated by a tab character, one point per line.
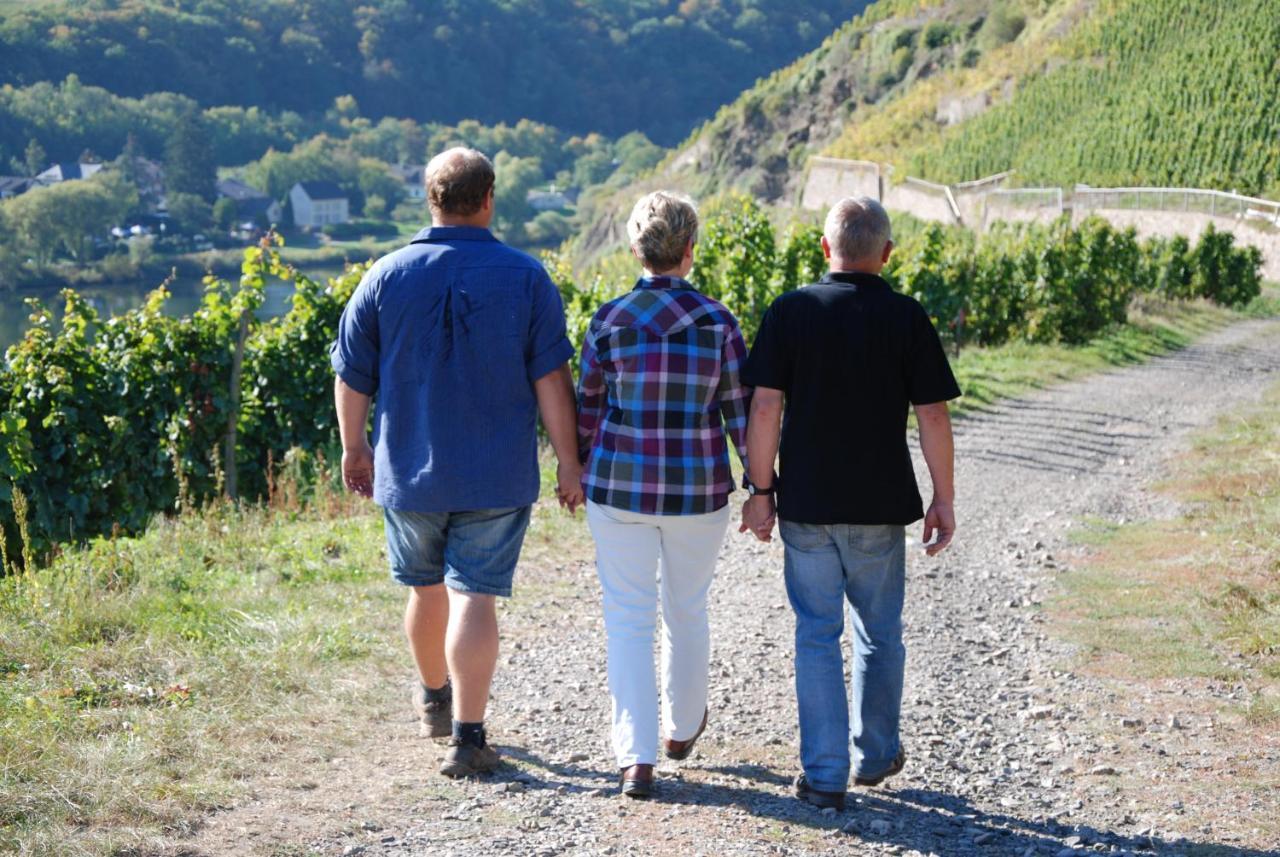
818	798
466	760
894	767
435	717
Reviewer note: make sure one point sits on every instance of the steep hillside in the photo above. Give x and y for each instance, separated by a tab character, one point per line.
760	142
1150	92
1157	92
658	66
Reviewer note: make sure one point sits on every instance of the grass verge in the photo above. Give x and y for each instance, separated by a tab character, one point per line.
1197	596
144	681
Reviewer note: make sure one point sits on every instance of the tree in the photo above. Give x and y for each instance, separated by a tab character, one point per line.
190	212
189	163
33	159
374	179
549	227
69	215
224	214
515	177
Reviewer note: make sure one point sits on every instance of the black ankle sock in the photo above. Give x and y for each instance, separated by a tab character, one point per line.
469	733
439	694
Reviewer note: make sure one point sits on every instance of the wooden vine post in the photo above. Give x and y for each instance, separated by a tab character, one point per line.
233	415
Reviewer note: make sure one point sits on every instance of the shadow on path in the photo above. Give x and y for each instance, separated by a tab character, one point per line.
921	819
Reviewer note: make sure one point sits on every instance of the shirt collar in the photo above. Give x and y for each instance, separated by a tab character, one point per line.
870	282
435	234
647	282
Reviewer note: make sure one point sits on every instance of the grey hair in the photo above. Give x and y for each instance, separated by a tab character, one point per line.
660	228
857	227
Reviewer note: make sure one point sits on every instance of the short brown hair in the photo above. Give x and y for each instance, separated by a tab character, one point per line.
458	180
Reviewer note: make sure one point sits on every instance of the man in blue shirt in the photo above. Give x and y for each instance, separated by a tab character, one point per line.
462	340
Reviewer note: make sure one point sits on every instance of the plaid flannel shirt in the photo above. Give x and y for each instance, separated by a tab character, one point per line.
658	393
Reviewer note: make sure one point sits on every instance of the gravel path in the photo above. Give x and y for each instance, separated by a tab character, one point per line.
1008	751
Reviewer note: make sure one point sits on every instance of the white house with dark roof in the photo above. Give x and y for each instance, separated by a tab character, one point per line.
66	173
318	203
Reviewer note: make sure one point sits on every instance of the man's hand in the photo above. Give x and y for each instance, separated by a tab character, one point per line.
758	516
940	518
569	485
357	469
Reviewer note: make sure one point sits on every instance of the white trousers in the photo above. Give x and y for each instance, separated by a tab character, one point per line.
628	548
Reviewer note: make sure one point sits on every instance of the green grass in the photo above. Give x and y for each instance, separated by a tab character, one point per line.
143	681
1198	595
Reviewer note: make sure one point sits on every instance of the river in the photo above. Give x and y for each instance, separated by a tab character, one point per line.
116	298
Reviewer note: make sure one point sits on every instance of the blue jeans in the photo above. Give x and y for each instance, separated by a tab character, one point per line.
825	565
467	551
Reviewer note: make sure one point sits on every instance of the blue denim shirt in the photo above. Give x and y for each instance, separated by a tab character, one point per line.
449	333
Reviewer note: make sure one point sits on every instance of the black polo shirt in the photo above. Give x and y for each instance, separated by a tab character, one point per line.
851	355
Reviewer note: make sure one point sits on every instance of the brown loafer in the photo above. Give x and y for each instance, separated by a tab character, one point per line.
681	749
637	781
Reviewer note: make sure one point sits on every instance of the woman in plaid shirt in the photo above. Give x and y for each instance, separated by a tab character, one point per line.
659	398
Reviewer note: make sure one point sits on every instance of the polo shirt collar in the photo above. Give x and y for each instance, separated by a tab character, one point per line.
647	282
870	282
434	234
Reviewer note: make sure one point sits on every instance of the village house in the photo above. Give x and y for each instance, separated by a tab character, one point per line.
414	178
318	203
14	186
253	207
66	173
548	200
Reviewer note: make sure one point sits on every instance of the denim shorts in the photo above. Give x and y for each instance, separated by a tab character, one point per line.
467	551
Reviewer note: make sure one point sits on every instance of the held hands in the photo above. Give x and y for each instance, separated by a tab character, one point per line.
940	518
758	516
357	469
569	485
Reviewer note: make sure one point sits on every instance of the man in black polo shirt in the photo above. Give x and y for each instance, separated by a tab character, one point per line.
848	355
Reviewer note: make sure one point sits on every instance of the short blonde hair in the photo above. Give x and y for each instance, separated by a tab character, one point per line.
660	228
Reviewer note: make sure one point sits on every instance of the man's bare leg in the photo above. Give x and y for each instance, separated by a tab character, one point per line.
471	647
426	618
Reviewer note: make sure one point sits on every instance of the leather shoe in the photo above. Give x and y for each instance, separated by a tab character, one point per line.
895	767
637	781
681	749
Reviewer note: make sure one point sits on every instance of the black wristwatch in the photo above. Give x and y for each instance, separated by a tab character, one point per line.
755	490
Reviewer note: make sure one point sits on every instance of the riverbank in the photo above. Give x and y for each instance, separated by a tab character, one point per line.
223	262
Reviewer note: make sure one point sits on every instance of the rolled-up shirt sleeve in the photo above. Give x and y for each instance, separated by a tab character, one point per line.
548	346
354	354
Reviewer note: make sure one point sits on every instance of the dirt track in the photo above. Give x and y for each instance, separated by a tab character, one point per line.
1009	751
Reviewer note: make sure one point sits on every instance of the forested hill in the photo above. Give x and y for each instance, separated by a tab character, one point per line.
1105	92
658	66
